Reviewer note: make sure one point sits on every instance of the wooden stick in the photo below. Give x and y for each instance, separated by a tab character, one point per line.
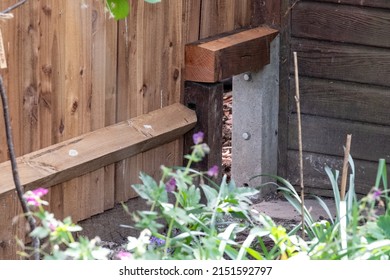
300	142
13	7
345	167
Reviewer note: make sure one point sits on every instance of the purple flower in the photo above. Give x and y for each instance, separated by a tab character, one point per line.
170	186
123	255
157	241
213	171
33	198
377	194
198	137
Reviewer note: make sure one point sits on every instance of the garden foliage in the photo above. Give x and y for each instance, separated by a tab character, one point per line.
180	225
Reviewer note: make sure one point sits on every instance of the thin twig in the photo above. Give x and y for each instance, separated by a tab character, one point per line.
297	100
15	173
13	7
345	168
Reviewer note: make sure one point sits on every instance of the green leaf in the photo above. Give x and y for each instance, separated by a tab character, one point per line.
225	237
384	223
149	190
118	8
40	232
211	195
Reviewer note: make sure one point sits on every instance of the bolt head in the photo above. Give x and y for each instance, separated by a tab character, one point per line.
247	77
246	135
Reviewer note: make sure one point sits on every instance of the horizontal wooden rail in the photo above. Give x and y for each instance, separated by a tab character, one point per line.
80	155
217	58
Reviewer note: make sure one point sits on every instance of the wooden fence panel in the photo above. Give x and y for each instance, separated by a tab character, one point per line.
348	24
364	3
335	61
343	100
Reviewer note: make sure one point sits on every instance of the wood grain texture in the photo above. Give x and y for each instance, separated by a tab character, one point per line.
327	136
213	60
315	177
343	100
12	225
284	88
340	23
217	16
207	101
91	151
152	47
342	62
365	3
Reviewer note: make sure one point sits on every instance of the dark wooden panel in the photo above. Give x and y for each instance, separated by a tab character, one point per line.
327	136
207	101
284	89
343	100
364	3
315	177
341	23
342	62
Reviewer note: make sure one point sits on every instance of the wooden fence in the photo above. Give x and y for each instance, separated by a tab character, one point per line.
344	62
73	69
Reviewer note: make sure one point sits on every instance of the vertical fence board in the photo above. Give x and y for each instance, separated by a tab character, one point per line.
12	225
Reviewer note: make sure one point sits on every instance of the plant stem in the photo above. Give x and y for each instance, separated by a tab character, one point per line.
345	168
170	228
19	188
297	99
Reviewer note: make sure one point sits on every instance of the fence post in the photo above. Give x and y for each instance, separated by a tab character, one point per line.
207	101
255	123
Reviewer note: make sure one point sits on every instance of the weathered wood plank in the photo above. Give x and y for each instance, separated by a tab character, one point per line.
335	61
217	16
343	100
103	95
364	3
327	136
341	23
12	226
267	12
207	101
316	178
215	59
88	152
284	88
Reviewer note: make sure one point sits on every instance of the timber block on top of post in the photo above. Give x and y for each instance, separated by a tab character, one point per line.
225	55
209	61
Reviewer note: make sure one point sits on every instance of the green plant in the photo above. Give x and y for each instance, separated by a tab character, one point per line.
59	242
223	227
367	232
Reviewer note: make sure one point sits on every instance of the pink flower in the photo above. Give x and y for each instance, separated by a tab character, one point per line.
170	186
40	192
198	137
213	171
33	198
123	255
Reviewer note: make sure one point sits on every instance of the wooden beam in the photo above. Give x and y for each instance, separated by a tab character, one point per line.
91	151
221	57
207	101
